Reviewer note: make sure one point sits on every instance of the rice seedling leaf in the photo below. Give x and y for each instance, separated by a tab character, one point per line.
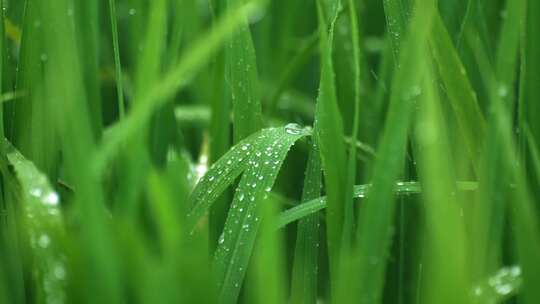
43	219
262	158
360	191
377	213
329	131
462	97
305	267
243	80
443	213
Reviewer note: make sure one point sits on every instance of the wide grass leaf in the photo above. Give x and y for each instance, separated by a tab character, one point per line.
44	224
260	157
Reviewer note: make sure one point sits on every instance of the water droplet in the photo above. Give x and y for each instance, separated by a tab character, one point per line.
241	197
36	192
211	178
59	272
244	148
293	129
132	12
478	291
44	241
221	238
503	289
51	199
502	91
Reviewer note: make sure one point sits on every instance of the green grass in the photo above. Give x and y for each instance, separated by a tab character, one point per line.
253	151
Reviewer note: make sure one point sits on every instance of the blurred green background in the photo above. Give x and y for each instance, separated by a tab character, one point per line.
146	151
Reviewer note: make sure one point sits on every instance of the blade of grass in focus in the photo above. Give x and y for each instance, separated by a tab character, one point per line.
329	130
375	220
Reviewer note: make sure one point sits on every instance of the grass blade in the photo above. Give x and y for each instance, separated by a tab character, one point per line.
305	268
236	243
376	215
194	59
329	132
43	219
117	61
360	191
243	82
460	93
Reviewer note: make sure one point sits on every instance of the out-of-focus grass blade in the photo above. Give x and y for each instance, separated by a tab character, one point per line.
531	74
268	264
459	90
178	264
489	213
377	213
306	253
236	243
508	50
525	225
499	287
72	120
445	253
329	130
43	220
243	80
86	17
360	191
193	60
533	148
117	61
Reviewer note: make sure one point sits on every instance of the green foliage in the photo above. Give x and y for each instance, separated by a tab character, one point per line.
147	151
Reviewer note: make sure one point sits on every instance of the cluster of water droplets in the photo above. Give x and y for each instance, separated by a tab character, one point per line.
44	222
505	283
263	158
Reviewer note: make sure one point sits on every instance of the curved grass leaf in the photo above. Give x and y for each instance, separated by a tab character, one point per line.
260	157
360	191
44	225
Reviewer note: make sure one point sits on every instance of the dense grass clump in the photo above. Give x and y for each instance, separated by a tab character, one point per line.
256	151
